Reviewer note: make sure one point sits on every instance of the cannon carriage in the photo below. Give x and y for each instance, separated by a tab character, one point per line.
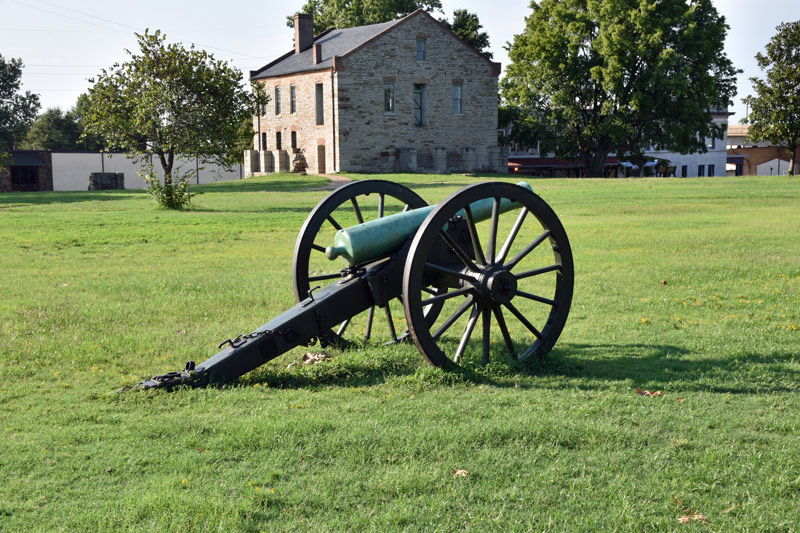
487	270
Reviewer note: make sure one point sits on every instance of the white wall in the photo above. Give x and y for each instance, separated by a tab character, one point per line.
71	170
773	168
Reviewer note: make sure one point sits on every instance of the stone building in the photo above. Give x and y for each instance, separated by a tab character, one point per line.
405	95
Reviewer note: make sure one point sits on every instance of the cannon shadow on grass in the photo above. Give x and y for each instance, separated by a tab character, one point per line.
581	366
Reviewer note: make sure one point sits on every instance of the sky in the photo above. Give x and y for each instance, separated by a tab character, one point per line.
64	42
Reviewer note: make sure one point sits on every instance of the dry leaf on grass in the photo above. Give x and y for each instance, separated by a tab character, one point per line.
641	392
459	473
310	358
681	400
692	516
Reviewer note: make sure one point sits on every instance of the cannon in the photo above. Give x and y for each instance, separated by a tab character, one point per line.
493	252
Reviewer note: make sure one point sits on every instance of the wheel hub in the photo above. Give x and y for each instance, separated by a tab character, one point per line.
494	284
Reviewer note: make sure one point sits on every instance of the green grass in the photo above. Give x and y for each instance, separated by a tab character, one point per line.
102	289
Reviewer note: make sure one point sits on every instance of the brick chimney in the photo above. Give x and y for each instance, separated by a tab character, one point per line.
317	53
303	32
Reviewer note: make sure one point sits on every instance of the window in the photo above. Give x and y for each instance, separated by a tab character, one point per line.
278	141
278	101
711	170
711	142
264	140
25	178
684	170
320	109
292	100
294	140
701	170
457	109
388	98
421	56
262	109
420	104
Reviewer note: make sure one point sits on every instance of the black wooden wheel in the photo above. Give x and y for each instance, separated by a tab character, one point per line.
354	203
511	271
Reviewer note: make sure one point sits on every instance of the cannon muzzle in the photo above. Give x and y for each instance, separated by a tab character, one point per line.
381	237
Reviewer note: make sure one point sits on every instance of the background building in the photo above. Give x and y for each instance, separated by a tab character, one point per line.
404	95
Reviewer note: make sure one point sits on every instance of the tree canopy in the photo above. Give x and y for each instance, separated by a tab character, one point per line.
592	77
467	26
168	100
775	110
351	13
58	130
17	109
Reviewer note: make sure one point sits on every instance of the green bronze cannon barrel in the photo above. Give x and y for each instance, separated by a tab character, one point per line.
380	237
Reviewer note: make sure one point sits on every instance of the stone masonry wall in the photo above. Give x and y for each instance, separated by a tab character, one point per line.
371	140
310	136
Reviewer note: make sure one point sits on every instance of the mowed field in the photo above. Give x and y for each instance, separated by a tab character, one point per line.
688	287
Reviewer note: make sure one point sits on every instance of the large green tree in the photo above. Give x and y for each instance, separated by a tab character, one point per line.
467	26
17	109
167	101
599	76
58	130
351	13
775	110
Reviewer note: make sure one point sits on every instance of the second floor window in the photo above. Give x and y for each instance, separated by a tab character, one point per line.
420	104
388	98
277	100
320	110
421	55
457	108
292	100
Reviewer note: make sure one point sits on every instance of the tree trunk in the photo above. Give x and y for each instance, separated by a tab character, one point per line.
792	160
593	162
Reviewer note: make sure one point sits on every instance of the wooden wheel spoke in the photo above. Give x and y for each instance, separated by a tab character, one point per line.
452	318
537	271
343	327
462	345
370	317
458	251
473	234
318	248
381	200
535	298
521	318
520	256
448	272
492	244
513	235
501	322
324	277
333	222
430	290
487	332
359	217
446	296
391	322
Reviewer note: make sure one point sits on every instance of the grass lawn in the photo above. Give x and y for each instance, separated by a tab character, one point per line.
686	286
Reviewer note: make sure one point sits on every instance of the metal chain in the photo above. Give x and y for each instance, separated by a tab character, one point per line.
244	337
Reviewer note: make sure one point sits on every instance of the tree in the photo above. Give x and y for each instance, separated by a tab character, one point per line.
351	13
467	26
775	110
52	130
17	109
619	76
165	101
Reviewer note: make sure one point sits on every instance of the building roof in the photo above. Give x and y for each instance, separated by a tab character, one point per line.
333	42
25	159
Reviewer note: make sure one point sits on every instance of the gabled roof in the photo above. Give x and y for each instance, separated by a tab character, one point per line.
342	43
334	43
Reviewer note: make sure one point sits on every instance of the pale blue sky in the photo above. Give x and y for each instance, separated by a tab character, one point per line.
62	43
